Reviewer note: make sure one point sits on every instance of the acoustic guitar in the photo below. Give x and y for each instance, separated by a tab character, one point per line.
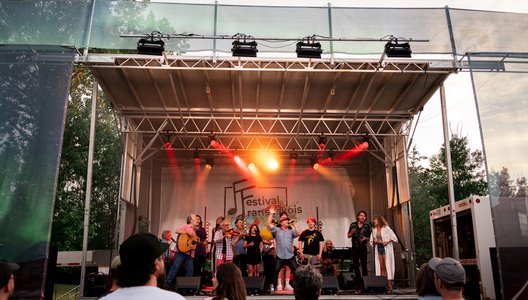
186	242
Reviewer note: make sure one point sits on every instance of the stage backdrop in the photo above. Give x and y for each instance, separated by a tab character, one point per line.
224	191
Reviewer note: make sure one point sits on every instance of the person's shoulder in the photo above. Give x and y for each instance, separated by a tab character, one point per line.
166	295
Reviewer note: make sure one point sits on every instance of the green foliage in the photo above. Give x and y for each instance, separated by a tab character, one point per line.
67	229
429	187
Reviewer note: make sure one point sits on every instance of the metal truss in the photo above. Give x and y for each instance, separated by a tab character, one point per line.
277	65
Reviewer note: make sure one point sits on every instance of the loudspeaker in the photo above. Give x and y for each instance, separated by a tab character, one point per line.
254	285
375	284
188	286
349	280
330	285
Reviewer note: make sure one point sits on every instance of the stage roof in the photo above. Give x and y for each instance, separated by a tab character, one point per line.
275	104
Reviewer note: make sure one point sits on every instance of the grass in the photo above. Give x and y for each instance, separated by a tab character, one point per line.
62	289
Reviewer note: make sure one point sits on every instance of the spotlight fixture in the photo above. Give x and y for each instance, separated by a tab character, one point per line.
212	140
196	154
151	44
314	163
365	139
395	49
241	47
293	155
209	162
331	155
308	48
322	142
166	137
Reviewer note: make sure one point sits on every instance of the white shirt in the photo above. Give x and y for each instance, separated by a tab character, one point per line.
141	293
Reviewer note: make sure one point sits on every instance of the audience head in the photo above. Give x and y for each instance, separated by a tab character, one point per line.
228	283
307	283
425	283
449	274
7	278
141	258
166	235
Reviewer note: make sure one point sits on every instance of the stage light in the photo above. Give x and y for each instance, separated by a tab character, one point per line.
237	159
314	163
166	137
209	162
212	140
395	49
366	139
308	49
322	142
294	155
272	164
251	166
246	49
242	47
196	157
151	44
331	155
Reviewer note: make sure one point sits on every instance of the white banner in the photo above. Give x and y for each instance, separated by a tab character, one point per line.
223	191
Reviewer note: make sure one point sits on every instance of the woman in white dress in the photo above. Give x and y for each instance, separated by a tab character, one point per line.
381	240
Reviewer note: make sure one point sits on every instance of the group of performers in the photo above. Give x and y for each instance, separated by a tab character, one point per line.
274	247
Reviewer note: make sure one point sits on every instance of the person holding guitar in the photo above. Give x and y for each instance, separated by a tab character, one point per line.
224	243
185	245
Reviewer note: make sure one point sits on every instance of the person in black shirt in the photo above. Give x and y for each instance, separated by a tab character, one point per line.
360	232
313	244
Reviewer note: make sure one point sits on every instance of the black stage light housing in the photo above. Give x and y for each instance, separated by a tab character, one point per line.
151	45
246	49
395	49
308	50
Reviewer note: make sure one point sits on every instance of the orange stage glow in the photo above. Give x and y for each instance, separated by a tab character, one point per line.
272	164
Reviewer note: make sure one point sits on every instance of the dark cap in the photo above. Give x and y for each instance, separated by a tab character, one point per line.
449	270
140	250
284	218
6	269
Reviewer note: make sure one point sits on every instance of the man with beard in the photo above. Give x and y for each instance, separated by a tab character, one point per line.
141	267
360	232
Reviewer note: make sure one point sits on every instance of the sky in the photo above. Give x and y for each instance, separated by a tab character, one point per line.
461	109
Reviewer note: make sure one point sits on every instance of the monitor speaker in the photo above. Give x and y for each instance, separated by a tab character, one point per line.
349	280
330	285
254	285
188	286
375	284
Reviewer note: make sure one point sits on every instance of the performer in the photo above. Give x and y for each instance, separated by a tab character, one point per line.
212	250
268	258
284	245
313	244
224	244
168	255
183	258
381	239
359	231
253	244
329	260
201	248
240	258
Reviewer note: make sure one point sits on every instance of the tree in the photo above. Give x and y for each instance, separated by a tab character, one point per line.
67	227
429	186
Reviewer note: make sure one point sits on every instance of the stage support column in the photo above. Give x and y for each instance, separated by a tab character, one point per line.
449	171
88	197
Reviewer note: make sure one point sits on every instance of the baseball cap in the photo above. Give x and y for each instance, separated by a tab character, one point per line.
284	218
140	249
448	270
6	269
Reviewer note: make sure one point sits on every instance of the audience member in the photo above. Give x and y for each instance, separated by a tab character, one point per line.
450	277
228	283
425	284
307	283
141	266
111	284
7	279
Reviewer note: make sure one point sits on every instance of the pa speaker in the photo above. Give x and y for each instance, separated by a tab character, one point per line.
188	286
254	285
349	280
375	284
330	285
